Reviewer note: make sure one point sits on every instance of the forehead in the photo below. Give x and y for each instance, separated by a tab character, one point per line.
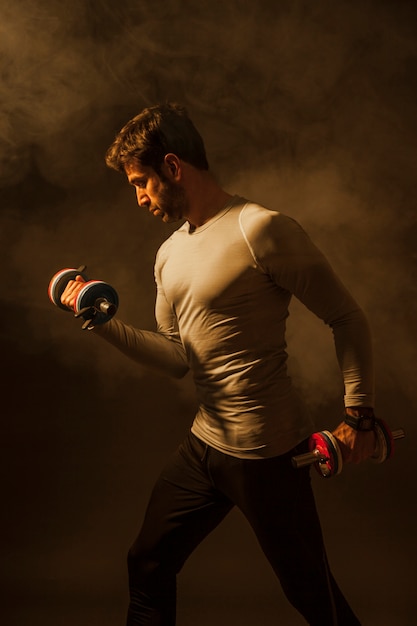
135	170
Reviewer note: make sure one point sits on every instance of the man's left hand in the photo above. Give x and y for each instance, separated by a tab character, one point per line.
355	445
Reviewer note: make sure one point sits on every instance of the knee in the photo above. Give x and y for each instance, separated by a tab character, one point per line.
140	564
147	566
151	575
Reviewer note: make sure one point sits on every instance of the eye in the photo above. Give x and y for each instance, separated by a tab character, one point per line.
139	183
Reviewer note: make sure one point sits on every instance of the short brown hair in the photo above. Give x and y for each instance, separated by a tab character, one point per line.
155	132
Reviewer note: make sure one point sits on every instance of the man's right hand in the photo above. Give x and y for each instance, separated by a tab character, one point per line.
71	291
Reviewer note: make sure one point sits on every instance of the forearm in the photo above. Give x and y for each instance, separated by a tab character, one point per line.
354	352
150	349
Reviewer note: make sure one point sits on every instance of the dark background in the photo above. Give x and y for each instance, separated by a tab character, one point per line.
308	107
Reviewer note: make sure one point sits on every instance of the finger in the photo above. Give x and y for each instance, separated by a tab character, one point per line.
71	292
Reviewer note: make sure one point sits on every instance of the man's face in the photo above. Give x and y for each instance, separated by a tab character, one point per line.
161	196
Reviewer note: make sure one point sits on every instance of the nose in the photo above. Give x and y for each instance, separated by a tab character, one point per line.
142	198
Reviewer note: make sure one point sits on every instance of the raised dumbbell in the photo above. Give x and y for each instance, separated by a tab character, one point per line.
326	456
96	302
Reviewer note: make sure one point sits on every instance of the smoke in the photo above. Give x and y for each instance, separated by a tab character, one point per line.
263	71
286	82
306	107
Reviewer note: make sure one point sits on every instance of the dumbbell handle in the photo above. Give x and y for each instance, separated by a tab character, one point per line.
101	304
302	460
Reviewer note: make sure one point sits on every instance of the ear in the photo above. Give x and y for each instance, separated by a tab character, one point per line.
172	166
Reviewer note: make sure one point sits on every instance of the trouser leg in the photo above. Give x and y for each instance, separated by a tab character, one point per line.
183	509
279	504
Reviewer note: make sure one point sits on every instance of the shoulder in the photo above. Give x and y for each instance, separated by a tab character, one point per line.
263	226
165	248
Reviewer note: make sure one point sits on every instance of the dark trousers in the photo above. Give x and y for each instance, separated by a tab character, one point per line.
196	490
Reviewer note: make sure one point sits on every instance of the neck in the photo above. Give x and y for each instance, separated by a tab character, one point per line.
206	199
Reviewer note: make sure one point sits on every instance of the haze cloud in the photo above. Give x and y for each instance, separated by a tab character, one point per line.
306	107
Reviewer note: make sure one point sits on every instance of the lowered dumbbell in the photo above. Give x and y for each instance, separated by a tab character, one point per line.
96	302
326	456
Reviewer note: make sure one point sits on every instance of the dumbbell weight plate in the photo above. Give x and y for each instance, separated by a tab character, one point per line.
58	283
91	294
331	462
384	448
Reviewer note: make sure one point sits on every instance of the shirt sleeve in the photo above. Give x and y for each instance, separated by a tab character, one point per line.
283	250
151	349
162	350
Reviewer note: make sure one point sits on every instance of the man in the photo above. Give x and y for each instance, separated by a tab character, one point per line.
224	282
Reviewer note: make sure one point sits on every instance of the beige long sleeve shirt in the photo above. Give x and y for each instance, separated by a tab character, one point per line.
223	292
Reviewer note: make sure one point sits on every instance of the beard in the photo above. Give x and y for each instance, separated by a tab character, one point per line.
172	203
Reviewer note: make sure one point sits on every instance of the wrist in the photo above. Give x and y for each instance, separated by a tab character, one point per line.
360	418
356	411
